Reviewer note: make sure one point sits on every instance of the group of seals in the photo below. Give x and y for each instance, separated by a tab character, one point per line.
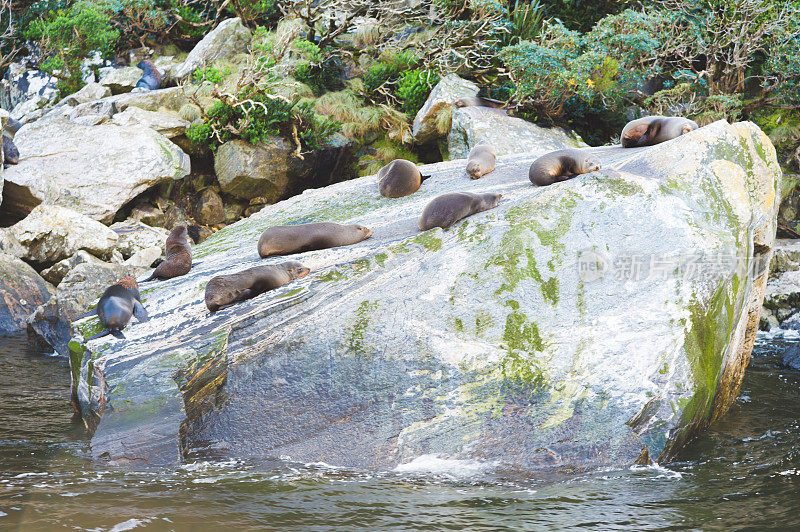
151	79
226	290
118	303
288	239
399	178
10	151
178	253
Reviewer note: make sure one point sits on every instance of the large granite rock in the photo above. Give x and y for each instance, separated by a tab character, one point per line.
168	124
226	40
441	99
121	80
507	134
162	100
135	236
89	93
593	323
51	233
56	273
21	84
21	291
83	284
94	170
271	171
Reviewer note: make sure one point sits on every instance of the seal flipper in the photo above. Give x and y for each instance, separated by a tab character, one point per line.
99	335
153	276
422	178
117	334
87	314
139	311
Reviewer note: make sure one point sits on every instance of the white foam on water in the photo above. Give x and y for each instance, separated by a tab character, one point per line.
662	472
434	464
25	475
130	524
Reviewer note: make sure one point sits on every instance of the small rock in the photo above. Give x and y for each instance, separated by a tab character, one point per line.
768	321
51	233
150	215
135	236
121	80
791	357
173	216
21	291
233	212
56	273
145	258
209	209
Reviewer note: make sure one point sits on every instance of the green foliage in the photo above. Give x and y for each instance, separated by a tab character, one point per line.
214	75
387	69
526	21
67	37
136	19
413	89
317	70
582	15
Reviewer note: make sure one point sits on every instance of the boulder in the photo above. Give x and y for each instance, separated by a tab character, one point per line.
94	170
51	322
168	124
170	99
506	133
783	294
442	98
148	214
209	209
229	38
791	357
145	258
31	109
51	233
121	80
135	236
594	323
89	93
21	291
10	245
56	273
21	84
786	257
270	169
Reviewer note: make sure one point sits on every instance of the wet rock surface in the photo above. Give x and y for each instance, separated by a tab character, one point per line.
529	334
21	291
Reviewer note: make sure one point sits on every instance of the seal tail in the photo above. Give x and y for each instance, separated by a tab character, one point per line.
87	314
422	178
153	276
117	334
140	312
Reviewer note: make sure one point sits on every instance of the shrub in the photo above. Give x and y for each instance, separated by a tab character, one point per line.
214	75
413	89
67	37
387	69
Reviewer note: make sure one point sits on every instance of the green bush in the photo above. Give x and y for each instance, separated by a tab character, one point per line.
413	89
387	69
67	37
214	75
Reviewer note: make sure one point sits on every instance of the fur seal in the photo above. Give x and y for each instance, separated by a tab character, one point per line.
10	151
561	165
289	239
399	178
477	101
151	79
118	303
179	255
445	210
481	160
225	290
652	130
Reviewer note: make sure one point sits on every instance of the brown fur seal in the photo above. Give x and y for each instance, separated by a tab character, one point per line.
561	165
118	303
445	210
399	178
477	101
10	151
179	255
225	290
652	130
481	160
289	239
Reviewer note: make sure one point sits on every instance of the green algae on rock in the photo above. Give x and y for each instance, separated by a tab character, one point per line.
594	323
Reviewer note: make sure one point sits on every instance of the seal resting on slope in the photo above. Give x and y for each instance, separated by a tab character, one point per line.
561	165
481	160
118	303
445	210
399	178
226	290
179	255
652	130
151	79
289	239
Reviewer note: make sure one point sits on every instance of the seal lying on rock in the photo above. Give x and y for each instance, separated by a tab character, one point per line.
288	239
652	130
399	178
179	255
445	210
225	290
118	303
561	165
10	151
481	160
477	101
151	79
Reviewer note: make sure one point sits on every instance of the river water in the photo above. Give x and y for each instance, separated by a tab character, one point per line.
742	474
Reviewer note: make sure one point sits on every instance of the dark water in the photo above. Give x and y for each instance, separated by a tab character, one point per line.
743	474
